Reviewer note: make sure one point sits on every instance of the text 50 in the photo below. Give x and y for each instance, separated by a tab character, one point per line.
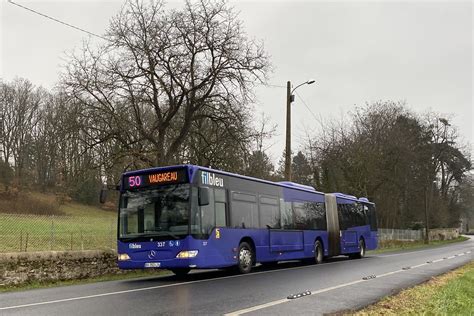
134	181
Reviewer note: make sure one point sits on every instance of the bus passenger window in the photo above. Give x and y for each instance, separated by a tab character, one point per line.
372	217
343	216
302	216
286	215
220	195
244	210
220	214
316	215
220	207
269	212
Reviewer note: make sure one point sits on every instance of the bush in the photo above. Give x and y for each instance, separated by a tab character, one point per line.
26	203
86	192
417	226
6	174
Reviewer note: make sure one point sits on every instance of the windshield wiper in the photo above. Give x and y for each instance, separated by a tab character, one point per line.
168	234
129	239
148	236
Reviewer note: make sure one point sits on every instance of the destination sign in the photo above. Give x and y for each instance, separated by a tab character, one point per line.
148	179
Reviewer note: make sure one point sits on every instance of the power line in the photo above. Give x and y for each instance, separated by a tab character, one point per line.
56	20
314	115
265	84
273	85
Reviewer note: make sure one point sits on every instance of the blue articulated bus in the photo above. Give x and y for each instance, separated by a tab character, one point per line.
190	217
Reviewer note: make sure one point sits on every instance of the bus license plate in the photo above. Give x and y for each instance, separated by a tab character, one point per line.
152	264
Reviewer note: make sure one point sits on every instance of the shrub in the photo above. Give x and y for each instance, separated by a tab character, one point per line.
26	203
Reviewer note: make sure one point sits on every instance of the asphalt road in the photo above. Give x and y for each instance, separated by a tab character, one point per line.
338	284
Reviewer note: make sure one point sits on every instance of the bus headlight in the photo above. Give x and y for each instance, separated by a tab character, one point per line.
187	254
123	257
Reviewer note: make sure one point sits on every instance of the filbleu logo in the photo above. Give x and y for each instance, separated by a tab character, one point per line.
211	179
134	246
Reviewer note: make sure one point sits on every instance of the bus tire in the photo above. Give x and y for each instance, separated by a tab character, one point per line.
180	272
361	253
246	258
318	252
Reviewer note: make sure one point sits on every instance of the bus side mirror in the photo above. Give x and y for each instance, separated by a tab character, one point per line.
203	196
103	195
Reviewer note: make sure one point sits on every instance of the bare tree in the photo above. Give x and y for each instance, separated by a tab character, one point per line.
258	163
20	103
161	69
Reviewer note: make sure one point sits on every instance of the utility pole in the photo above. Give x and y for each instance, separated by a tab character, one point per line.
288	133
290	98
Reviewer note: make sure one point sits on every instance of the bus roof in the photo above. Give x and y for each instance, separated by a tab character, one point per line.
284	184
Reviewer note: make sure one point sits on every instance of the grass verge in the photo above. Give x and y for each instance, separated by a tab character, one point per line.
107	277
449	294
395	245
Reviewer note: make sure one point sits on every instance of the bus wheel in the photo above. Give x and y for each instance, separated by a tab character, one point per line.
245	258
318	252
181	272
361	248
361	253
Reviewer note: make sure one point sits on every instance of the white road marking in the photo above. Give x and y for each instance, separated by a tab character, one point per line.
269	304
390	273
258	307
419	265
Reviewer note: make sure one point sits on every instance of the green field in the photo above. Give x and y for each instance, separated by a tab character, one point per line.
81	228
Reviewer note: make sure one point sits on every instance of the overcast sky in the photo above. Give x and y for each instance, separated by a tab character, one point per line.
358	52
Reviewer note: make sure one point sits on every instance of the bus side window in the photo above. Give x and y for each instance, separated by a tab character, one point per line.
244	210
300	216
286	215
316	215
220	207
360	214
269	212
366	214
373	217
343	216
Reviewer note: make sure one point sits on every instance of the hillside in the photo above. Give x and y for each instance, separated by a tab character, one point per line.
32	221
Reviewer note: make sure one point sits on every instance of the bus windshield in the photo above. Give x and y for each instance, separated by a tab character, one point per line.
160	213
